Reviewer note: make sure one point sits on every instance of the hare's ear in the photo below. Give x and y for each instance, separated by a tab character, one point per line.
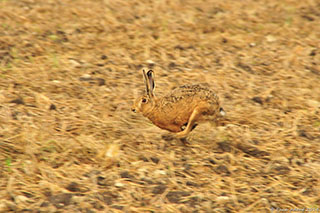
146	82
152	86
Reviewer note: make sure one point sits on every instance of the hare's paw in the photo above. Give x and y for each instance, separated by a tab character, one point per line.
182	134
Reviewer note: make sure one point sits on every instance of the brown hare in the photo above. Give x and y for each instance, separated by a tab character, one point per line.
181	110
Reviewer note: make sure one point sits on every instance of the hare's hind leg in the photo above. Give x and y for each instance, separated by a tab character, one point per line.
197	112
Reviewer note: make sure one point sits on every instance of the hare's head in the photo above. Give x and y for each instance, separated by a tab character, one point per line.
146	102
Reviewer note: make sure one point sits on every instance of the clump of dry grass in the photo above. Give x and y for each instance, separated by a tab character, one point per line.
69	71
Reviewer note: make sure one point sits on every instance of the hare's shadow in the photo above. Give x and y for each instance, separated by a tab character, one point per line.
185	125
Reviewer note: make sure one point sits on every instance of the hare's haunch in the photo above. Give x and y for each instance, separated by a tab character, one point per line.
181	110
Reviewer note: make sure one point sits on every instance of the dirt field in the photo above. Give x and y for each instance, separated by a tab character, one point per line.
71	69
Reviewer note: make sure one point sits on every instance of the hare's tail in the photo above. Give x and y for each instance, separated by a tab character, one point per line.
222	112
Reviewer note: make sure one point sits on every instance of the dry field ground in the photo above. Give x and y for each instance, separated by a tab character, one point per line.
71	69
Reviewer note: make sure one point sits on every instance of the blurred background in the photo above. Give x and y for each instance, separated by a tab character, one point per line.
69	71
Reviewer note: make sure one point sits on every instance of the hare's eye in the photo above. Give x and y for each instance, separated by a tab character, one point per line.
144	100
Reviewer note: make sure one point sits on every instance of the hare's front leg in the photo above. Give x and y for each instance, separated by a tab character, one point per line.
191	123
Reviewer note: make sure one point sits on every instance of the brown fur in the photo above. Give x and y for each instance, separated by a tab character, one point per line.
185	105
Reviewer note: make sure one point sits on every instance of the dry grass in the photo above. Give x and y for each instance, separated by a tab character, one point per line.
70	69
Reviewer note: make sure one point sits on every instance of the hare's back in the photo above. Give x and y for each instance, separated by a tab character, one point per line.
192	93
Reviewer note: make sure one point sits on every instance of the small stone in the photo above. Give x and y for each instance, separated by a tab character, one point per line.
176	196
117	207
160	172
20	199
167	137
190	183
282	170
112	151
126	174
155	160
44	204
101	181
75	63
313	52
17	101
257	100
85	77
107	198
143	158
224	146
73	187
222	169
119	184
104	57
159	189
61	200
222	199
150	62
271	38
101	81
52	107
212	161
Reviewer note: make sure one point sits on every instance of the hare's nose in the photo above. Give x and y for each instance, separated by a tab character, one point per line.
133	110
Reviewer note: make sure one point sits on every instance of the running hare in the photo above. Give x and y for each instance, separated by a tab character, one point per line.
181	110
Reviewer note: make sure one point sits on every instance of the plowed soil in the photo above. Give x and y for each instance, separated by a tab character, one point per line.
69	71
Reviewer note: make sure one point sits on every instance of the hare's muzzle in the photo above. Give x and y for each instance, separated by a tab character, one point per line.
133	110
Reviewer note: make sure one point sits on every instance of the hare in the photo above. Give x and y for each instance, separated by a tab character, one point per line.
181	110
